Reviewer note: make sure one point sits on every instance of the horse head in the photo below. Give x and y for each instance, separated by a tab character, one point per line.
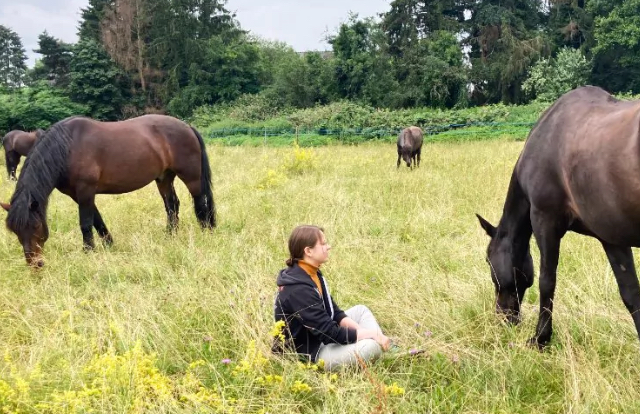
32	233
511	268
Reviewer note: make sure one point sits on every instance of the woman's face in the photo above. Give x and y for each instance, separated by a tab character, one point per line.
319	253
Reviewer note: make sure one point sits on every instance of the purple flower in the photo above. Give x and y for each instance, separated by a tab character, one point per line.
417	324
413	351
455	359
226	361
207	338
428	333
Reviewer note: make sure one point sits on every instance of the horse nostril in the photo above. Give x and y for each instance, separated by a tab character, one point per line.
40	263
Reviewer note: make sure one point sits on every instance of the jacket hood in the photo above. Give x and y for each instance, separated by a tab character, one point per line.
294	275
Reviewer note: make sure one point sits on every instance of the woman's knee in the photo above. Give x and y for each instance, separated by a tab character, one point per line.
359	310
368	348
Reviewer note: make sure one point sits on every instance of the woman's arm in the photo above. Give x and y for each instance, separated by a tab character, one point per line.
377	336
347	322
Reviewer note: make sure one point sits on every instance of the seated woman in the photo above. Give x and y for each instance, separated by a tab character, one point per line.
315	327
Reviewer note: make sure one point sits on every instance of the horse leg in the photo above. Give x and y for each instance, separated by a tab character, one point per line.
101	228
399	156
204	206
12	159
170	198
548	231
87	211
621	260
419	152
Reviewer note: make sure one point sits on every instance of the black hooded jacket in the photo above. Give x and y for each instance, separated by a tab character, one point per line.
311	318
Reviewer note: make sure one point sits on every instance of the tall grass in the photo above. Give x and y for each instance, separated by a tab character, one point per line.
181	323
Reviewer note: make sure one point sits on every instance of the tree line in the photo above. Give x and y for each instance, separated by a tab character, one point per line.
174	56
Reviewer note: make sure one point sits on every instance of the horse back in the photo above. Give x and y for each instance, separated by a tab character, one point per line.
582	160
410	138
126	155
23	142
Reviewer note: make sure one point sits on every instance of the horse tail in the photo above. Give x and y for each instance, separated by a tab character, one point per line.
204	205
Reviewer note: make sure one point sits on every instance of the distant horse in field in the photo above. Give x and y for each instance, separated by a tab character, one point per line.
579	171
410	146
16	144
82	157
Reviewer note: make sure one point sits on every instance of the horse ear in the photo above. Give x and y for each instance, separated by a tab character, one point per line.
5	206
488	227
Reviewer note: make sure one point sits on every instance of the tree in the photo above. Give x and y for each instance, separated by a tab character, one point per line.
410	20
550	78
505	39
124	27
570	24
90	19
95	81
227	70
616	56
13	59
354	52
56	58
178	38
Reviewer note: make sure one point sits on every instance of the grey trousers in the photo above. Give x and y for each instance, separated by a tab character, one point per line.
336	355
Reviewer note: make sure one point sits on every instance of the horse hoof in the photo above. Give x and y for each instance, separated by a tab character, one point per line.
536	344
108	240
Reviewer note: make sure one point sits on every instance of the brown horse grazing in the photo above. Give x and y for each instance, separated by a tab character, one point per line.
82	157
579	171
16	144
410	146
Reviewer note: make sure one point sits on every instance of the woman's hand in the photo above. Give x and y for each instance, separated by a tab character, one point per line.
383	341
379	337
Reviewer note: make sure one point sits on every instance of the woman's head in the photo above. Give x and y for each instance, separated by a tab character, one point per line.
309	244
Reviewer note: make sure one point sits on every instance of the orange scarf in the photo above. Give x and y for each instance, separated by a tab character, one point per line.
312	271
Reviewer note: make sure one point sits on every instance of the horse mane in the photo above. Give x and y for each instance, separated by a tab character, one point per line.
43	169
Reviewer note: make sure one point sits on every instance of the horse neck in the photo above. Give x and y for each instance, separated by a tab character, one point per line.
515	224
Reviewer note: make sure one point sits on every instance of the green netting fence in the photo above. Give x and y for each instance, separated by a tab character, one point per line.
372	132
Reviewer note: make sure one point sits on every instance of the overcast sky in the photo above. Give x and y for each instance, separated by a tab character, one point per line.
302	24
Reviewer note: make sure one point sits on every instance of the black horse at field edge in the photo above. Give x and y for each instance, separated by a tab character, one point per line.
579	171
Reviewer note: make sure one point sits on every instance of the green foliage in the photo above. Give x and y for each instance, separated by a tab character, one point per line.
346	115
291	79
504	40
34	108
94	81
55	63
227	70
90	19
617	51
550	78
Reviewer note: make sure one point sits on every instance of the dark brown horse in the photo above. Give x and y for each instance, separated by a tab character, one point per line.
82	157
410	146
579	171
16	144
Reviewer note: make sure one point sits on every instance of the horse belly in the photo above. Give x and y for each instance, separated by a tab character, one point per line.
131	172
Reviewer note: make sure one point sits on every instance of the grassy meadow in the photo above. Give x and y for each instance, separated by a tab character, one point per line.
181	324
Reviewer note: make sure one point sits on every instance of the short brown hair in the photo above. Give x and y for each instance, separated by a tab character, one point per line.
301	237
